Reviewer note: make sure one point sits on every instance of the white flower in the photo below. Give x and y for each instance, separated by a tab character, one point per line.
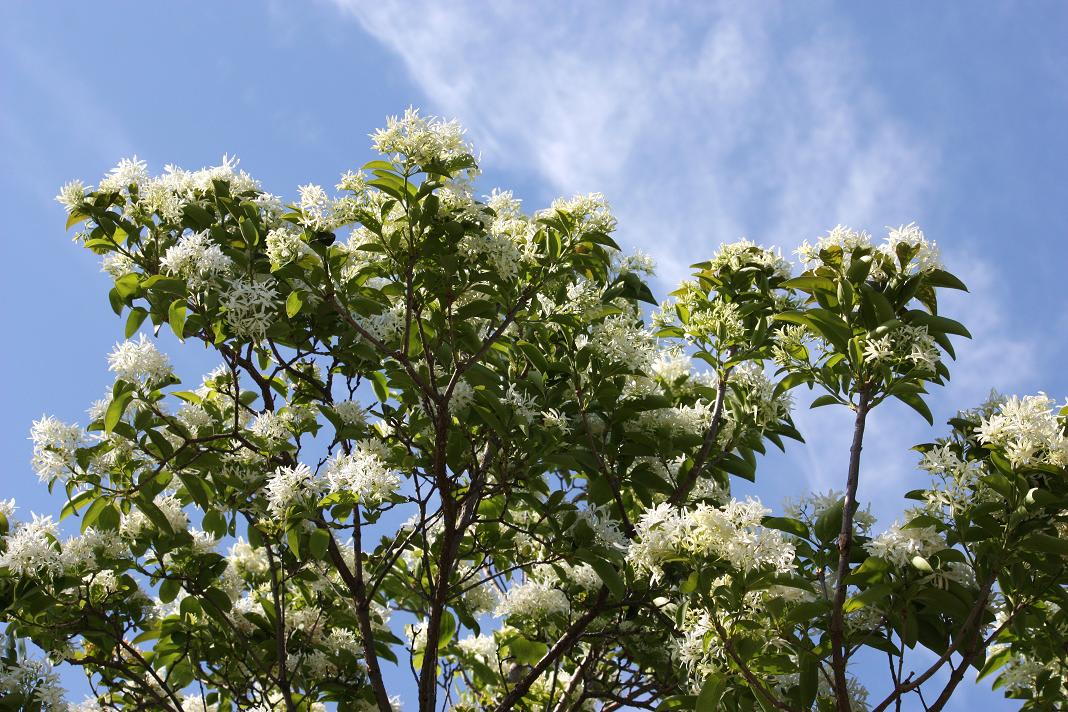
284	245
1028	430
899	546
350	412
590	212
387	326
129	171
731	533
71	195
117	264
533	599
196	258
34	678
289	486
481	599
139	362
32	550
733	256
250	306
364	473
83	551
422	140
54	443
483	647
275	427
247	559
841	237
618	339
7	509
912	239
316	207
355	182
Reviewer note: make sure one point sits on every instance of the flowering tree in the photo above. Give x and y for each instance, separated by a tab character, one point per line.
461	421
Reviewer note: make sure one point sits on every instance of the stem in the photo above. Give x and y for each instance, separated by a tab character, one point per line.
358	589
845	550
681	492
567	640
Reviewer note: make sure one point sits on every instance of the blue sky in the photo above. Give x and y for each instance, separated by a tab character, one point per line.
701	123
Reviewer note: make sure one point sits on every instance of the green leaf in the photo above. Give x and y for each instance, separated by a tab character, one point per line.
293	304
447	630
527	651
1046	544
128	285
829	523
914	401
168	590
941	278
786	524
608	574
318	543
809	680
249	232
711	692
176	318
381	388
116	409
134	321
825	400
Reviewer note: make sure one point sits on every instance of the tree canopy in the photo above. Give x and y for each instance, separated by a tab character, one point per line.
451	436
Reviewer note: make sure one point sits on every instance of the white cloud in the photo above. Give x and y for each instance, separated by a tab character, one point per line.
700	123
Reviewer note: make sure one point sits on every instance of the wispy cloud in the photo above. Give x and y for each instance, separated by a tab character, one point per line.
702	123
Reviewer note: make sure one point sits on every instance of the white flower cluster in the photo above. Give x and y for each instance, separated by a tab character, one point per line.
196	258
960	480
117	264
1028	430
733	256
762	406
139	362
590	212
905	345
533	599
71	195
364	473
168	194
136	523
899	546
912	239
350	412
483	647
421	140
128	171
35	679
731	533
841	237
289	486
317	210
388	326
32	549
250	306
924	254
54	445
620	340
493	252
248	560
284	245
82	552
